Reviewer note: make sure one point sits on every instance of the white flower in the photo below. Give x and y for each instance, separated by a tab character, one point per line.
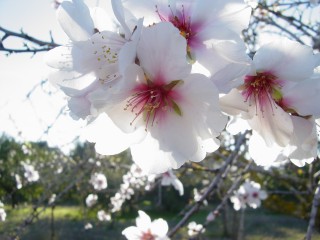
88	226
30	173
146	229
103	216
91	200
90	61
3	215
162	112
249	194
194	229
98	181
168	178
279	99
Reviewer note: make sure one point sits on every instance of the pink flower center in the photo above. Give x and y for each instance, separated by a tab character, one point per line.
153	101
147	236
263	88
255	195
181	20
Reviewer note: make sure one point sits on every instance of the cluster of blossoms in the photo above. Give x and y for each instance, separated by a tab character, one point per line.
133	179
249	194
194	229
152	82
136	179
30	174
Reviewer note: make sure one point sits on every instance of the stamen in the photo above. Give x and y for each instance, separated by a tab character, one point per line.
264	88
152	100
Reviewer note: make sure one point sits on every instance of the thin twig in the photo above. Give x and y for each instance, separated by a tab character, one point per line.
313	214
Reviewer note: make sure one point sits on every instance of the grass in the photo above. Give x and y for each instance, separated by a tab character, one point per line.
70	220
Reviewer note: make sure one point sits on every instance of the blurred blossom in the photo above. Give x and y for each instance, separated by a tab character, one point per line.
212	216
25	150
195	229
99	181
103	216
18	181
145	229
88	226
135	178
52	199
30	173
91	200
3	215
249	194
198	196
168	178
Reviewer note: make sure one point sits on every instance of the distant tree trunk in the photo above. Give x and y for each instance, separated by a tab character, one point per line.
240	233
226	220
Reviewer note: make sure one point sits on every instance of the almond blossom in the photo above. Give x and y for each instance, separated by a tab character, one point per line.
90	60
98	181
279	99
91	200
165	114
249	194
146	229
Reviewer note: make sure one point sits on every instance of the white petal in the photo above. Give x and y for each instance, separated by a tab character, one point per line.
261	153
143	222
227	61
79	107
151	159
119	13
263	194
230	14
101	19
159	227
237	125
71	82
273	124
162	52
132	233
304	97
233	103
74	17
286	59
109	138
177	184
304	140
